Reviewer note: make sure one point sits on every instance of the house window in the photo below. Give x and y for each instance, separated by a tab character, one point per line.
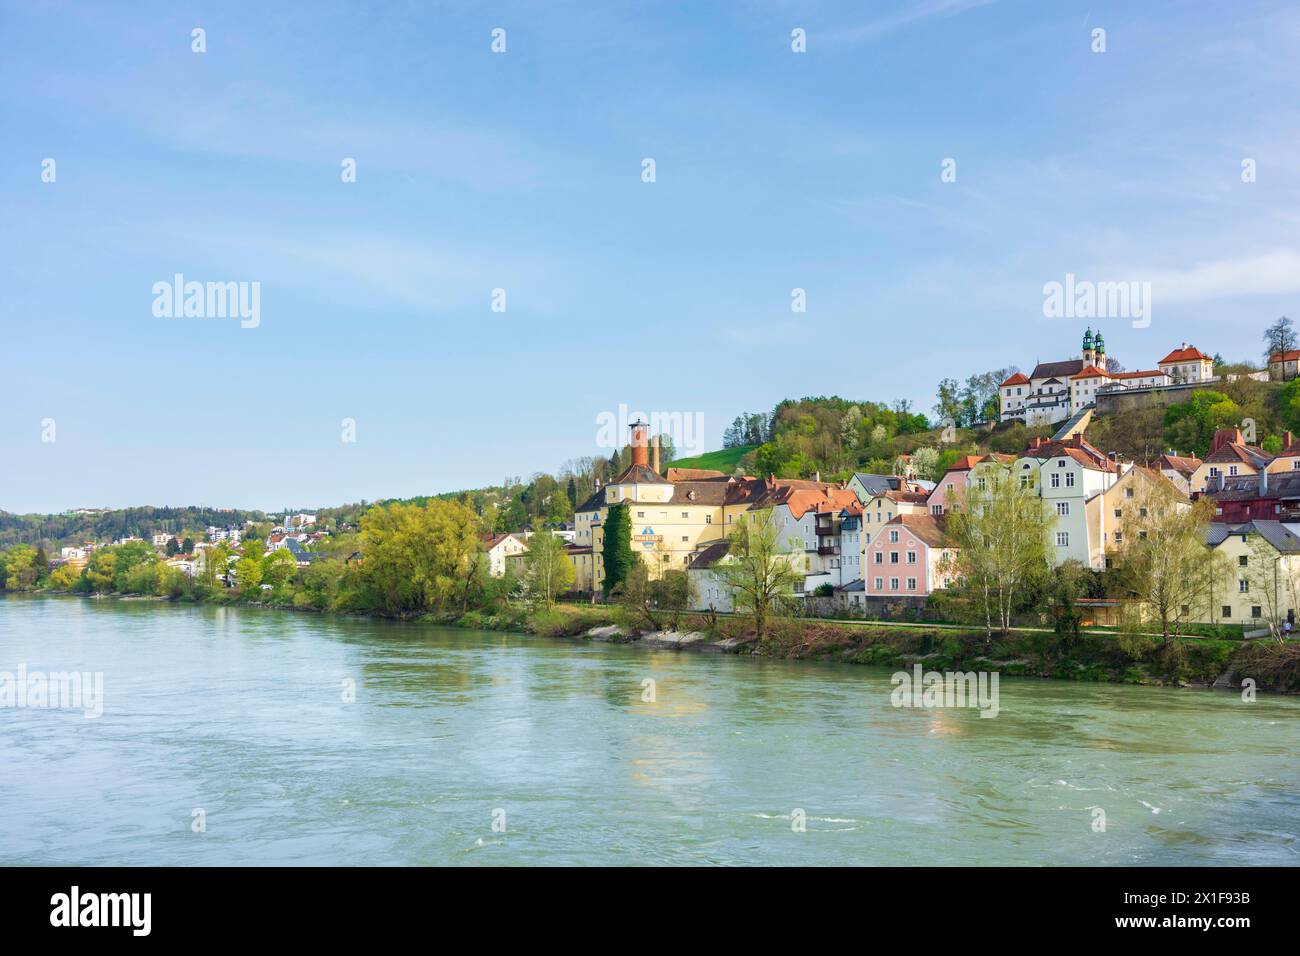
911	557
1214	473
686	514
1227	611
893	557
1232	471
936	509
1256	611
893	537
1063	508
1128	493
1243	561
685	538
911	584
1062	539
893	584
1243	586
708	519
880	557
1119	536
640	514
880	584
1069	479
1056	480
1119	512
979	483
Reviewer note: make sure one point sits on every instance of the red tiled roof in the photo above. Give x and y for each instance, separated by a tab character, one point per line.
1189	354
1017	379
1090	371
1290	356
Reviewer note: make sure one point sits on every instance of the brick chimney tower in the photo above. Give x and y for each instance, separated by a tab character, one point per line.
640	435
654	454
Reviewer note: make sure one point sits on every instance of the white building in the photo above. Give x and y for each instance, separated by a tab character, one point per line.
1055	391
500	547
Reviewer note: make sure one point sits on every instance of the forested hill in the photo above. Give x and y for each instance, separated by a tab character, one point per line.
68	529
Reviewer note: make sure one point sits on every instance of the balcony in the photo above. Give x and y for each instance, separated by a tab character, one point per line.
828	549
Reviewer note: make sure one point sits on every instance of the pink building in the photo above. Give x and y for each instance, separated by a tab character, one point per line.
906	558
955	479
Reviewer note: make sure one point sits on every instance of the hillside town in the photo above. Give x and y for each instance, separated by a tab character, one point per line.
870	545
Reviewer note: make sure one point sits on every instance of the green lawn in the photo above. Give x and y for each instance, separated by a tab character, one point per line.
724	460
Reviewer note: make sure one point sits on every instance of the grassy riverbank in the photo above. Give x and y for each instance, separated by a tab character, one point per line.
1092	656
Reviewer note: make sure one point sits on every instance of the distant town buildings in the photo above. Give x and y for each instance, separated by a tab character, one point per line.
1056	391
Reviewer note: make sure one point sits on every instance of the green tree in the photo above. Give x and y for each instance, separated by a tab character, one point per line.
1168	569
1001	534
277	568
547	568
65	577
617	550
1191	425
248	572
756	571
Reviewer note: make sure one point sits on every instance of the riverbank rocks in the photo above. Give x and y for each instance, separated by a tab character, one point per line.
610	632
671	639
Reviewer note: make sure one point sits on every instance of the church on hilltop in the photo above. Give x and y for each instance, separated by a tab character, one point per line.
1055	391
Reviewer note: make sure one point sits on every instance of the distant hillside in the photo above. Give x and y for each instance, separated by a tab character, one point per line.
726	460
58	530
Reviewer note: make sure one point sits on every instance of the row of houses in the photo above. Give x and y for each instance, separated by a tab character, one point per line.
883	538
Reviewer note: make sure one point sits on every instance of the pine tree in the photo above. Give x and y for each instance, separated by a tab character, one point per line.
617	552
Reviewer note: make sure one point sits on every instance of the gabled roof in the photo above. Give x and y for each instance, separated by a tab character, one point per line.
800	501
875	484
593	503
1017	379
1281	536
1090	371
710	556
1188	353
640	475
1183	464
931	529
496	539
1288	356
1056	369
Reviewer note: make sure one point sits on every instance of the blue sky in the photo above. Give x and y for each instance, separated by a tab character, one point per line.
522	171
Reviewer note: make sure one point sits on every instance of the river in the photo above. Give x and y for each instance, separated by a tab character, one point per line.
230	736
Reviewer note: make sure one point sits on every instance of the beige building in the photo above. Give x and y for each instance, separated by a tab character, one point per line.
1229	457
674	520
500	547
1261	578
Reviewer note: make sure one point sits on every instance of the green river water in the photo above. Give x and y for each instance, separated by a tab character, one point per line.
471	748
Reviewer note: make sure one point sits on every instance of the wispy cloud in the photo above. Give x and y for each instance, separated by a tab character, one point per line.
1271	273
905	16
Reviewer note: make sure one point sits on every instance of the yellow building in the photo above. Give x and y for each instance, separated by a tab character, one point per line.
1108	511
673	518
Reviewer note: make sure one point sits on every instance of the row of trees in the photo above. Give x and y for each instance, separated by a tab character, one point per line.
414	558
